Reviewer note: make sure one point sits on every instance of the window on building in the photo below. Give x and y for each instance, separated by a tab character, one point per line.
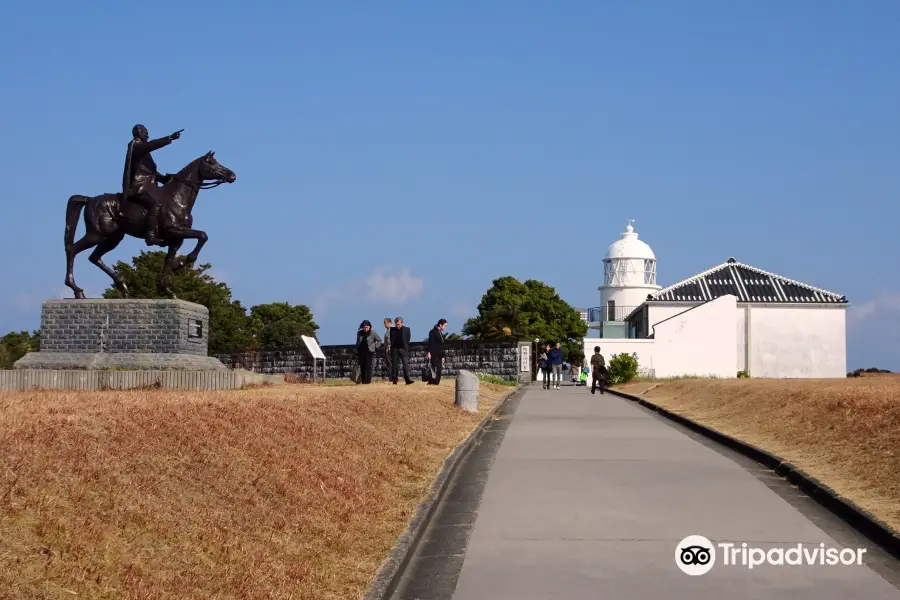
650	272
611	311
608	272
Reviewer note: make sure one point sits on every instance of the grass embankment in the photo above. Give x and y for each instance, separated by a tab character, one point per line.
843	432
293	491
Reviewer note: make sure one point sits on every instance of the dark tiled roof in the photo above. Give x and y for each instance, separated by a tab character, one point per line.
748	284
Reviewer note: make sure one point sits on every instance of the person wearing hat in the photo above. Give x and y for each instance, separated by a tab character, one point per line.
598	370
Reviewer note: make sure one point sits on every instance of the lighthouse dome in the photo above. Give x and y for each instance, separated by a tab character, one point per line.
629	246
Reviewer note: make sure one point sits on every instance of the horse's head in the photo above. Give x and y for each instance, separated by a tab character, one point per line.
211	170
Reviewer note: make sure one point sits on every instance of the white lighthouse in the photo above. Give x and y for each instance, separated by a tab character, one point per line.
629	275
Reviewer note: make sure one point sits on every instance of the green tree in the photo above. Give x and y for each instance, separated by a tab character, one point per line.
528	311
278	325
15	345
229	325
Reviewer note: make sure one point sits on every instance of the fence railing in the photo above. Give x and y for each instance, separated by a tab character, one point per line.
609	312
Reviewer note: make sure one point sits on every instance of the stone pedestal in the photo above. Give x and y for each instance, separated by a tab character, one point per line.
123	334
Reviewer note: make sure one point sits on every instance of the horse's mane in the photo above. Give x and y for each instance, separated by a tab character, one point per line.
182	174
191	164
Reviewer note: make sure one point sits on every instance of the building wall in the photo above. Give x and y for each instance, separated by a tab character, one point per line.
797	341
657	312
783	341
701	341
741	328
608	347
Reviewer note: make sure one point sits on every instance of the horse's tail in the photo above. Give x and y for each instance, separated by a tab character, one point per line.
73	212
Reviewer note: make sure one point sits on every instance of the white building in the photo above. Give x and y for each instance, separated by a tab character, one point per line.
730	318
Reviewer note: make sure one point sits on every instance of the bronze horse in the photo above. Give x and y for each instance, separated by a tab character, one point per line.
108	220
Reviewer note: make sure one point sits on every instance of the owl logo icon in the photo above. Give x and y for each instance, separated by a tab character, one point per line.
695	555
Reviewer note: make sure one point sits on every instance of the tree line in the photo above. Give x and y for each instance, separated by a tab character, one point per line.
530	310
510	309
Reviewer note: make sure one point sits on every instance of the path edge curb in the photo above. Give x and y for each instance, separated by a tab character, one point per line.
393	567
859	519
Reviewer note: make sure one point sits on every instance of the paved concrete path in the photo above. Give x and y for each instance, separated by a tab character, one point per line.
590	495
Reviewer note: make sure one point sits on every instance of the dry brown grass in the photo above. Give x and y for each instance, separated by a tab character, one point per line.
843	432
293	491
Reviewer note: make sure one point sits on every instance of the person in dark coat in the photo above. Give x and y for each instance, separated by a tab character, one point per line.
544	364
598	371
400	351
367	341
388	326
436	350
556	364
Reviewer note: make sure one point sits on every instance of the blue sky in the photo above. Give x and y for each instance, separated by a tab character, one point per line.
395	158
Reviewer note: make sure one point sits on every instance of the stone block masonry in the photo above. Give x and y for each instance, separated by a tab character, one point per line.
164	326
492	357
122	334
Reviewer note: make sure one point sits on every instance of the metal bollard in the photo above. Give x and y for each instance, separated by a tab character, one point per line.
467	388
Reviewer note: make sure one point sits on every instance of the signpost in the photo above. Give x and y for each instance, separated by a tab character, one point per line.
525	373
313	346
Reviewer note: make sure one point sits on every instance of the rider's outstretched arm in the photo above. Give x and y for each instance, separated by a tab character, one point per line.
144	147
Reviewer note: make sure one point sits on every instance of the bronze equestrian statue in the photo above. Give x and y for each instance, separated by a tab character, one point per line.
160	215
140	176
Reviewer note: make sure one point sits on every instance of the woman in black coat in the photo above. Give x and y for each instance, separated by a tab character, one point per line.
367	341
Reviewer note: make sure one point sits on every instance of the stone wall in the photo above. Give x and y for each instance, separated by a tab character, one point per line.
100	334
100	325
495	358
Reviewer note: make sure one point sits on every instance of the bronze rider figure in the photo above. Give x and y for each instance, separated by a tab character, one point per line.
139	180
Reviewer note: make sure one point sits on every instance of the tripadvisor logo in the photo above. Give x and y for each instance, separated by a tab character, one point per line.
696	555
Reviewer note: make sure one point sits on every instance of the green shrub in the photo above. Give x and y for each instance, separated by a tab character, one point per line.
743	375
622	368
488	378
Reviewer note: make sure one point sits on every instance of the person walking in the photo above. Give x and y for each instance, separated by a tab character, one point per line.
435	353
544	364
400	335
387	349
367	341
598	370
556	363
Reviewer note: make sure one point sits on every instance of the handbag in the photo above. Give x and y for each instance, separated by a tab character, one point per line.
355	375
428	372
